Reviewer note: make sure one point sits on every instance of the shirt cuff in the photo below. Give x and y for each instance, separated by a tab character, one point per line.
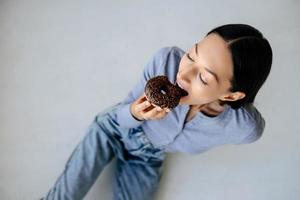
125	118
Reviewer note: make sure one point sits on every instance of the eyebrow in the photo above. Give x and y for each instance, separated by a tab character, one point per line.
206	68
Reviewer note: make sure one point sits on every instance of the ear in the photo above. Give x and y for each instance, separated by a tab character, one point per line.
233	96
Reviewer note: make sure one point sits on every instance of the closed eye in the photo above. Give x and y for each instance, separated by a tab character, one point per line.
189	57
202	80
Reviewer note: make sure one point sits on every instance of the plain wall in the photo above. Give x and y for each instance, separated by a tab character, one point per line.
62	62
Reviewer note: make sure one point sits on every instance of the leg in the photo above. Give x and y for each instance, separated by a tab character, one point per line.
86	162
137	180
139	171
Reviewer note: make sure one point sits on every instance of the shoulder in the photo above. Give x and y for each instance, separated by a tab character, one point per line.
250	123
166	61
164	55
165	52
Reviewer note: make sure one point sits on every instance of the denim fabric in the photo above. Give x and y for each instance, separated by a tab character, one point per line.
138	169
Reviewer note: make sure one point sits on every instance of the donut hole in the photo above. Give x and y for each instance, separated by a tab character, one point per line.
164	90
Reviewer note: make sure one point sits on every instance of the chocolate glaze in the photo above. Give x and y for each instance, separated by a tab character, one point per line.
161	92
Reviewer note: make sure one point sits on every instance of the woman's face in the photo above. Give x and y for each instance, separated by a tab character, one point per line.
205	72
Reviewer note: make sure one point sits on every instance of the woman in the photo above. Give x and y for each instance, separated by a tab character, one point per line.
222	75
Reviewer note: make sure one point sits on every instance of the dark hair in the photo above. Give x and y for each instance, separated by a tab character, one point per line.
252	60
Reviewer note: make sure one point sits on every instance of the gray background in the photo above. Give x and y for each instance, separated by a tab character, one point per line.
62	62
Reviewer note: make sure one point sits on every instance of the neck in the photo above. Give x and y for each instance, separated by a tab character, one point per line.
217	105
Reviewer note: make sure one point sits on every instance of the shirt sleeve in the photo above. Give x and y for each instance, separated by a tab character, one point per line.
256	132
152	68
188	143
248	130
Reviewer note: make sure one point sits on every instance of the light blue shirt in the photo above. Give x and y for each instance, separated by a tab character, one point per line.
201	133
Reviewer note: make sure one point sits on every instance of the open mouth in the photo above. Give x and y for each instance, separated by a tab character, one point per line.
183	92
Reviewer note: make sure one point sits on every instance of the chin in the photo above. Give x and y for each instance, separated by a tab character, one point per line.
182	101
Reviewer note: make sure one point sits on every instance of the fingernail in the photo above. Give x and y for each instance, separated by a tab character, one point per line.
147	103
158	109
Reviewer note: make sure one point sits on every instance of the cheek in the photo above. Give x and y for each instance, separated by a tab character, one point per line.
182	65
180	68
203	93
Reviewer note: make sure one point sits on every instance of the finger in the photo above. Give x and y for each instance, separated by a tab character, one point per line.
142	99
160	115
162	109
165	110
156	113
158	108
143	106
149	114
150	107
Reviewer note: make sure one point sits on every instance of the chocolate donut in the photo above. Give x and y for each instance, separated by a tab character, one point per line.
161	92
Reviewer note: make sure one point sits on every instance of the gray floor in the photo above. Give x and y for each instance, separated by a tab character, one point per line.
62	62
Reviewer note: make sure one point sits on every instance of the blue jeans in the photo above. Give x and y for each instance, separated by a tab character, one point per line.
139	164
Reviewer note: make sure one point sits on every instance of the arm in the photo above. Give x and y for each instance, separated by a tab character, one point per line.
255	134
242	129
152	68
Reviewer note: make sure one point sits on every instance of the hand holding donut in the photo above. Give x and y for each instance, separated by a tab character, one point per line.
142	109
159	98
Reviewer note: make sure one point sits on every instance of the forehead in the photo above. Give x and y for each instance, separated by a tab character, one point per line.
214	53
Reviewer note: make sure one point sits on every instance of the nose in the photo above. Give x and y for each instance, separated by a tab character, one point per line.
186	75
